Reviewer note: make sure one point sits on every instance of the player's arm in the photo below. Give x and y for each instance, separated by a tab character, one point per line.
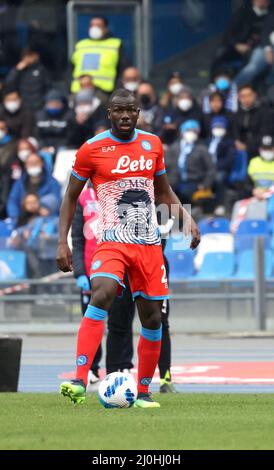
63	255
165	195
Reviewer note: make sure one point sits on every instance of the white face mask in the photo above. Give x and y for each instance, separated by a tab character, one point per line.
267	155
2	134
260	11
190	137
184	104
175	88
23	154
34	171
131	86
95	32
84	108
12	106
218	132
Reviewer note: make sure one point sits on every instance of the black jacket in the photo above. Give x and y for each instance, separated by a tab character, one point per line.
225	154
32	83
79	133
53	130
245	27
249	126
21	123
199	166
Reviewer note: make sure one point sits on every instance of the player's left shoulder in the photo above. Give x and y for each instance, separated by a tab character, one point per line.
148	140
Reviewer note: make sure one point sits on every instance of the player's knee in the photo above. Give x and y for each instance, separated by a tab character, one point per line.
153	321
102	298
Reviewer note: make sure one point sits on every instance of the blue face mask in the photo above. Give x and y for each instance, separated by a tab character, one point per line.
222	84
54	111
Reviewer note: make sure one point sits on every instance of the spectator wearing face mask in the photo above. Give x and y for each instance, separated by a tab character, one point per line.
25	147
261	168
52	122
89	118
7	158
101	55
35	179
222	83
217	109
131	79
186	108
151	114
86	83
222	151
252	121
175	84
18	117
188	163
31	79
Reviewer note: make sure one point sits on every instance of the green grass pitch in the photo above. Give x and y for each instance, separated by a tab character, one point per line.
184	421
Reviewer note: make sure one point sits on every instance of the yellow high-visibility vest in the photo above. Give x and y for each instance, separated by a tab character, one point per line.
261	172
98	58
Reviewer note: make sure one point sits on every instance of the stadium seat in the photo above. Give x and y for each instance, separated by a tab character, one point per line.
245	264
213	243
214	225
178	243
180	264
12	265
239	168
253	227
217	266
248	230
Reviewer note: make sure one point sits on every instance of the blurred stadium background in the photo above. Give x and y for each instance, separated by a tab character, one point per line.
227	285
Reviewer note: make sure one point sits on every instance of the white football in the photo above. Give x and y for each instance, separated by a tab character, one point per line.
117	390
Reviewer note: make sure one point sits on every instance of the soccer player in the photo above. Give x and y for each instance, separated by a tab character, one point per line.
127	170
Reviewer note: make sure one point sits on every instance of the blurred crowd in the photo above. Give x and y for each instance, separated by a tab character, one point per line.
219	143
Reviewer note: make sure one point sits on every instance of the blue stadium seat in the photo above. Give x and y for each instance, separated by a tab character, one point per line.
214	225
248	230
177	244
245	263
180	264
12	265
217	266
239	168
253	227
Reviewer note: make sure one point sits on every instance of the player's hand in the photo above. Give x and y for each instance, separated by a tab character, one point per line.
196	236
64	257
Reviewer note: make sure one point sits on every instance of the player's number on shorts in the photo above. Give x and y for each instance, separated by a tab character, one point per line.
164	278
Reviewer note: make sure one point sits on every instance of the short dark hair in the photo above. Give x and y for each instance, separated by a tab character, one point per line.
216	94
121	93
247	85
103	18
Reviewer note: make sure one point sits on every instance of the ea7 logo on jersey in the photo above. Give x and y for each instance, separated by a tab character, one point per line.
124	164
109	149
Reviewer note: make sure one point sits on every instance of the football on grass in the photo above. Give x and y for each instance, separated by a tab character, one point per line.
117	390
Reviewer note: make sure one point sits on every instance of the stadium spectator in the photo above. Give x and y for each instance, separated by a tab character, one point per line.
35	233
9	45
222	150
188	163
243	34
7	157
86	83
151	114
101	55
222	83
35	179
186	108
261	168
131	79
52	122
30	79
24	148
175	84
19	118
262	58
252	121
216	109
89	118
